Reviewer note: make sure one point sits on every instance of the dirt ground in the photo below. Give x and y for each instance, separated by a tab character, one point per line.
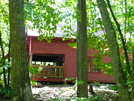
68	93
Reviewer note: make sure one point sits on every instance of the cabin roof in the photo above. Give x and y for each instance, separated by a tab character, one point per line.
61	33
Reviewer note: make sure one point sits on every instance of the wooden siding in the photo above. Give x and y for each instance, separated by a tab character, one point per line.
57	46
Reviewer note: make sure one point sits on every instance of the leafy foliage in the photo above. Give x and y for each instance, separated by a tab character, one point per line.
44	17
5	92
80	82
34	70
113	87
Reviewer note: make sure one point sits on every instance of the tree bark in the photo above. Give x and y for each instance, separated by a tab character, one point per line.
21	89
114	51
82	69
91	90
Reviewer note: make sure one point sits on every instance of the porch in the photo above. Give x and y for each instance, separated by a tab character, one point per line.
48	71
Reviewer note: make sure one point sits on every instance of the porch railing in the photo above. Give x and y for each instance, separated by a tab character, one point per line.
49	71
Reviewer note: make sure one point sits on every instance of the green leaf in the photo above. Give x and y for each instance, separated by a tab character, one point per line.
69	79
80	82
130	82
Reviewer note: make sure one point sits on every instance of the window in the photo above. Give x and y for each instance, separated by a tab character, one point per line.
95	68
92	66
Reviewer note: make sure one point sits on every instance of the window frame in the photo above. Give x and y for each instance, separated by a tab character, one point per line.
91	65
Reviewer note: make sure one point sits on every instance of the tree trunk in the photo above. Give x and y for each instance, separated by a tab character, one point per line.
129	70
114	50
91	90
21	89
82	69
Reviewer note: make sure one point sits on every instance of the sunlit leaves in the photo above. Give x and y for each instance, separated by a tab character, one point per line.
4	24
44	17
4	11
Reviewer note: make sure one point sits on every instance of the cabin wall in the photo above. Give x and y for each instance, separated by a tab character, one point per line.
57	46
100	77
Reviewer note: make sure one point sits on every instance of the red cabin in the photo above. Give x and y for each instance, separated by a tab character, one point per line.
56	61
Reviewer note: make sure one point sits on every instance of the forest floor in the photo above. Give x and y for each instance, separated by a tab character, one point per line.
67	92
62	92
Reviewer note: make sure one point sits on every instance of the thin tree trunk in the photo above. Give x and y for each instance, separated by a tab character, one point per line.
133	62
114	50
82	69
3	61
19	73
130	72
8	82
